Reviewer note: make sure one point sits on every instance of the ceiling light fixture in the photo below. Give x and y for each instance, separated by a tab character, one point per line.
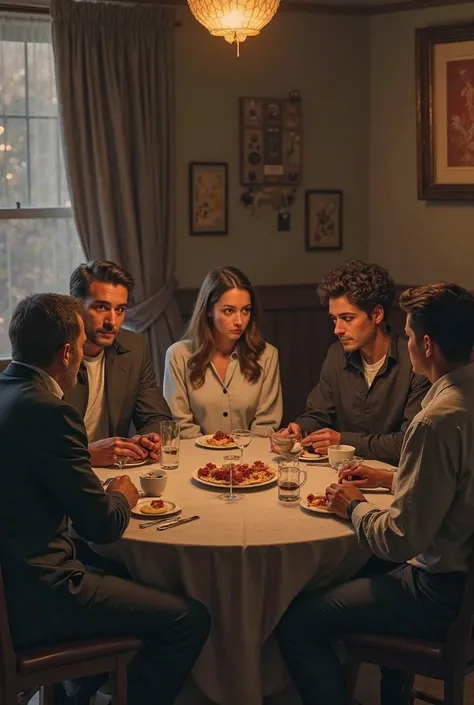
235	20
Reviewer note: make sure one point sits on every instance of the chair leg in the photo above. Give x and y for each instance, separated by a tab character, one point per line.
47	694
352	672
119	681
454	688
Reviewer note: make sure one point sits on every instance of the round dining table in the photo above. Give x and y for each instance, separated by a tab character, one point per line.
245	561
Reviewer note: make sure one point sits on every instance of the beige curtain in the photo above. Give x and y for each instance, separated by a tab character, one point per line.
114	67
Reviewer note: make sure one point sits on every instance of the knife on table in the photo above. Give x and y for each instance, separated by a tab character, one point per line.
170	524
146	524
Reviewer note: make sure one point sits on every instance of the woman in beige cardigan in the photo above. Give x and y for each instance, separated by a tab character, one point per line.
223	375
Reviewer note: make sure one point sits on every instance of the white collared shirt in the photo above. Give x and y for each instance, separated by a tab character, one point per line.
431	519
50	383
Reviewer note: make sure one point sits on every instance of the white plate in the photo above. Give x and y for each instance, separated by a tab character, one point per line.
313	458
235	487
374	490
202	442
171	508
316	510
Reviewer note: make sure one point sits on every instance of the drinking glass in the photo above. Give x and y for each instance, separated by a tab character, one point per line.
229	462
242	438
169	435
289	480
121	462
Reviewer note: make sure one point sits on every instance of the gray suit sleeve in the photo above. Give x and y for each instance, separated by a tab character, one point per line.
150	405
66	474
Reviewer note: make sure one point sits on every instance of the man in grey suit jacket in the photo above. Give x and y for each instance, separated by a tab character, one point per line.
116	384
51	596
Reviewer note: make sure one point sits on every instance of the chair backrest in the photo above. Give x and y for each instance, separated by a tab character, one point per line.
460	641
7	654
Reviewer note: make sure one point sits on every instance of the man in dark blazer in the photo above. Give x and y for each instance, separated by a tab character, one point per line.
47	480
116	384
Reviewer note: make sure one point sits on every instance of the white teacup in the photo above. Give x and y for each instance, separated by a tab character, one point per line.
153	483
340	454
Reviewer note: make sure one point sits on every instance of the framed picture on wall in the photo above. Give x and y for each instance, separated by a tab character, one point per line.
323	220
445	111
208	198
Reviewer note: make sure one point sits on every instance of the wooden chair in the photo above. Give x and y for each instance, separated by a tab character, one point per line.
23	672
450	661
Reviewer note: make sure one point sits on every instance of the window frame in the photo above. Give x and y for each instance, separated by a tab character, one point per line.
27	212
23	12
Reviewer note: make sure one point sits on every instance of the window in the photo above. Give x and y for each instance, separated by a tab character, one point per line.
39	245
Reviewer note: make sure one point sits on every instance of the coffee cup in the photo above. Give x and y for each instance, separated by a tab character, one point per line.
153	483
340	454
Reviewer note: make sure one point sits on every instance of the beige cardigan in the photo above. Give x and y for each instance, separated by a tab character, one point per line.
223	406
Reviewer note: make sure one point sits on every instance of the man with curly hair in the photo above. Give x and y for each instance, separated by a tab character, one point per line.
368	393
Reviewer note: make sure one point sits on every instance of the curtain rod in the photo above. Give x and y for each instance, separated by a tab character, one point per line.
44	10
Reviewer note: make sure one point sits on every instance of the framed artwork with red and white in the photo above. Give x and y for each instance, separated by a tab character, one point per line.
445	112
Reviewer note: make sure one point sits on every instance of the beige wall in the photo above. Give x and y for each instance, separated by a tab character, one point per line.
419	241
326	59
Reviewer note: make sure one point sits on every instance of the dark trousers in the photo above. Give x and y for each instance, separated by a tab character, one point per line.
405	601
91	559
173	628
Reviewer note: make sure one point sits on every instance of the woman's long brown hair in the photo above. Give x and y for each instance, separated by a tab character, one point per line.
200	329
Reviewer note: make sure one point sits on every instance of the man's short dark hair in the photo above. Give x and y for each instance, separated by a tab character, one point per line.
365	285
41	324
445	312
100	271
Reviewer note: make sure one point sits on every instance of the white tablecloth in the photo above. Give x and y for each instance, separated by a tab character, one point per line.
245	562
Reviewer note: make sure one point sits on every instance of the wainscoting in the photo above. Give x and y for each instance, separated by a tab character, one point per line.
299	326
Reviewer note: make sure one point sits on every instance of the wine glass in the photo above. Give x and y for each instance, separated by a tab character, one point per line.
242	438
121	461
230	461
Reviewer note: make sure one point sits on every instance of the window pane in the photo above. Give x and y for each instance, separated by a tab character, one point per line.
14	148
12	84
44	164
3	163
35	256
42	100
33	173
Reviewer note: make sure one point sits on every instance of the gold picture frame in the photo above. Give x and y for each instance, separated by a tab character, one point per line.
208	198
445	112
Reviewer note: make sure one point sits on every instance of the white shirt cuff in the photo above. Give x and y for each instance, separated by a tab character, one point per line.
360	511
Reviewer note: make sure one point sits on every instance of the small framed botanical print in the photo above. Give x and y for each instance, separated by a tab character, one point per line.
323	220
208	198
